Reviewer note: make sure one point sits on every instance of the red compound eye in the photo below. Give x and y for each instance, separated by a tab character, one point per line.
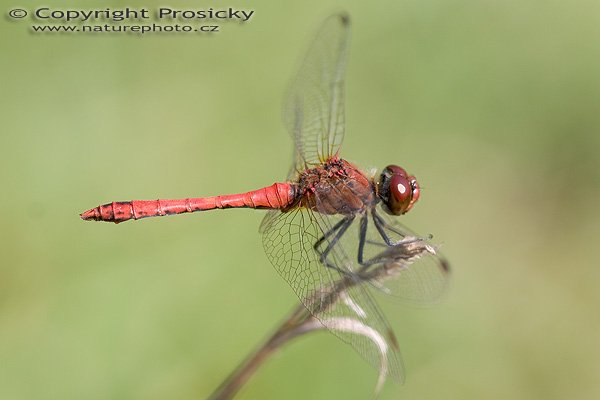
396	170
400	193
398	190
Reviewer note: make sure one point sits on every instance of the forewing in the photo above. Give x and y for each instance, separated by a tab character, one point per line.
314	109
340	301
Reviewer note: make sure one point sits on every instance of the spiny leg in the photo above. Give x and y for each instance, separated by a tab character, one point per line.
380	224
328	234
338	229
362	239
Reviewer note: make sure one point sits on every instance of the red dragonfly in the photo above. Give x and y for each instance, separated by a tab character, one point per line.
329	222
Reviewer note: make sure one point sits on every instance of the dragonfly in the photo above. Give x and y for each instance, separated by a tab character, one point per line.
331	230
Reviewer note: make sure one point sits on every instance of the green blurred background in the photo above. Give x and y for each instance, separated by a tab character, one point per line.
495	106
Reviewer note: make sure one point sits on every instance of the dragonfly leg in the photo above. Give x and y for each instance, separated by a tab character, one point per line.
362	237
337	232
381	225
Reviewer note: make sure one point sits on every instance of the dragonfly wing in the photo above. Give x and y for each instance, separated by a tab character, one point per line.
420	273
339	301
288	240
314	109
268	220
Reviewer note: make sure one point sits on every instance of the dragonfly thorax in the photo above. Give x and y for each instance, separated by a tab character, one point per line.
335	187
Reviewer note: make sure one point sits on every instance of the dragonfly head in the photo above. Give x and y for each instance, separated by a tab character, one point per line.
398	190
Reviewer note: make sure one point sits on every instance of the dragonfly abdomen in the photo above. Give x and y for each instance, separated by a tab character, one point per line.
276	196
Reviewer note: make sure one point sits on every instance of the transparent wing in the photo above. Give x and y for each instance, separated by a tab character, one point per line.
417	272
337	298
269	220
314	109
288	240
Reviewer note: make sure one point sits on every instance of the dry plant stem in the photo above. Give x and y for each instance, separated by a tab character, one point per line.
390	261
298	323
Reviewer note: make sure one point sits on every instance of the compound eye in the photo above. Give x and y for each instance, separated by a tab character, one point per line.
397	190
395	170
401	193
